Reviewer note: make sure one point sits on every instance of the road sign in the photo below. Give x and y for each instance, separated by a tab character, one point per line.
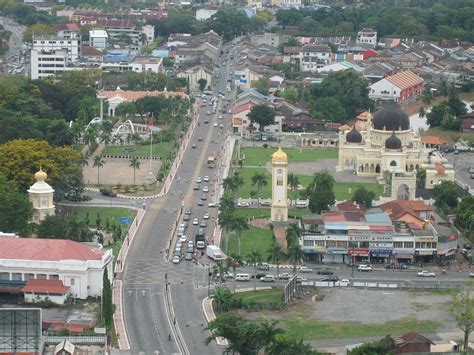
125	220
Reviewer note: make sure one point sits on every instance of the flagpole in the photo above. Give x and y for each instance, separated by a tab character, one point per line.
151	141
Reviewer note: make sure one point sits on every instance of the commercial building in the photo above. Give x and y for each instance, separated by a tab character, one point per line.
400	87
79	266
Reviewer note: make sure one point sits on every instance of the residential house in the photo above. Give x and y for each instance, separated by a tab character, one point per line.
344	65
91	54
410	60
467	125
379	70
400	87
413	212
313	57
367	36
268	38
291	55
257	4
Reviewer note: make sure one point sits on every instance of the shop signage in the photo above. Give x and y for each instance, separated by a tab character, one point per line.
367	235
380	245
404	251
425	252
381	252
358	251
425	239
336	251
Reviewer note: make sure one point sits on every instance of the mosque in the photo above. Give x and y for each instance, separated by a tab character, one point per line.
389	144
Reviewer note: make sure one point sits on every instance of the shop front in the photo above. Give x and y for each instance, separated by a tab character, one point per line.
335	255
380	256
358	256
425	256
403	256
313	254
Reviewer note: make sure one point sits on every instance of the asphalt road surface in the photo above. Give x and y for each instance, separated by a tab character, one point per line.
13	57
148	317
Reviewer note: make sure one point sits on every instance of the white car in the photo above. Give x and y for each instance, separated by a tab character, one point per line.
221	117
426	273
364	267
215	124
176	259
305	269
198	180
182	238
195	221
344	282
205	189
285	276
206	178
178	245
212	204
243	204
206	215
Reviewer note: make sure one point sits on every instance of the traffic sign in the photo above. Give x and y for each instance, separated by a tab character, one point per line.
125	220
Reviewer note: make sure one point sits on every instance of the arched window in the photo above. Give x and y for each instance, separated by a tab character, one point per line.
393	163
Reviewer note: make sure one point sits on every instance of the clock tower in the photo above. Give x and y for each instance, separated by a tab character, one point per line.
279	186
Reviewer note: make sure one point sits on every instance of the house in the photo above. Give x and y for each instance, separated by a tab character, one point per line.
400	87
90	53
412	343
116	97
204	14
313	57
410	60
301	122
196	73
268	38
412	212
344	65
240	122
42	290
67	31
367	36
379	70
434	142
79	266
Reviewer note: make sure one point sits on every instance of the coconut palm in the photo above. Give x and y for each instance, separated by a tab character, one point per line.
259	180
254	258
239	224
226	219
228	184
426	96
293	182
238	181
269	332
223	298
276	256
99	162
295	255
135	164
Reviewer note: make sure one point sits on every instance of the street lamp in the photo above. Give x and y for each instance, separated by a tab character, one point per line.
209	280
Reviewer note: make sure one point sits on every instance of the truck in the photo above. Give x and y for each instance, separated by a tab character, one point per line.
214	252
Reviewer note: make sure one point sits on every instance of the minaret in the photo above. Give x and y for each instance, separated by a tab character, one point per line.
279	211
41	197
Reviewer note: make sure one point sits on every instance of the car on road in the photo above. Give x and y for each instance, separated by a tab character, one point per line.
204	197
203	224
206	121
471	176
208	112
206	215
425	273
325	272
215	124
285	276
200	139
200	203
206	178
268	278
189	256
212	204
198	180
180	231
205	189
183	225
176	259
263	266
305	269
300	279
193	146
363	267
221	126
330	279
195	221
228	275
467	246
187	211
221	117
186	217
196	187
183	238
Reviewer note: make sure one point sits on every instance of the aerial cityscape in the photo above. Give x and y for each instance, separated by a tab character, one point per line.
236	177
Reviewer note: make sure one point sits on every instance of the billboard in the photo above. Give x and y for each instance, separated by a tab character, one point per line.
20	330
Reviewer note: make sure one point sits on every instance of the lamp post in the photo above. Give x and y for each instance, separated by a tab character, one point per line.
209	280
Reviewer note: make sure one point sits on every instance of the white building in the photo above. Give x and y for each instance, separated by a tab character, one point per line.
48	62
137	65
51	43
149	32
79	266
42	290
98	39
367	36
400	87
41	197
313	57
204	14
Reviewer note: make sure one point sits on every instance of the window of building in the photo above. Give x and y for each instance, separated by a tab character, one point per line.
73	281
308	243
17	276
41	276
398	244
4	276
279	181
54	277
29	276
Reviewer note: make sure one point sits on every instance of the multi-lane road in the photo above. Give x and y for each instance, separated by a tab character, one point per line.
149	316
13	59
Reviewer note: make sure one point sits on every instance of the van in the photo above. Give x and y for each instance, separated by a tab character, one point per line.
242	277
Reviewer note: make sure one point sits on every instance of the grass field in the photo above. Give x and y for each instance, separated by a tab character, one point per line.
159	150
312	329
341	189
273	296
252	239
254	156
111	213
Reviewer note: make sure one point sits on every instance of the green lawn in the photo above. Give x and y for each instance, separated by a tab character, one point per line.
112	213
273	296
312	329
341	189
251	239
265	212
254	156
159	150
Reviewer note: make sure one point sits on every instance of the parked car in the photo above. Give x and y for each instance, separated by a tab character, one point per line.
263	266
305	269
325	272
196	187
176	259
330	279
426	273
195	221
300	279
268	278
259	275
198	180
200	203
187	211
285	276
189	256
206	178
363	267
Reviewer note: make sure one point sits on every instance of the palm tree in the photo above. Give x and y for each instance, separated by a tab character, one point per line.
239	224
276	256
135	164
259	180
254	258
225	221
426	96
293	182
295	254
233	261
99	163
84	162
238	181
268	332
228	184
219	268
90	136
223	298
293	233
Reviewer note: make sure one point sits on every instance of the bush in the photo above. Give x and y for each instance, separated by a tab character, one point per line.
265	145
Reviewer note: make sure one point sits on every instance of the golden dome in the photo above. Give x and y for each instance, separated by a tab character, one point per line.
280	155
41	175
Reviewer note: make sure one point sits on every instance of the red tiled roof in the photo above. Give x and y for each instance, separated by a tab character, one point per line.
243	107
90	51
45	286
46	250
405	80
433	140
350	206
66	27
116	23
135	95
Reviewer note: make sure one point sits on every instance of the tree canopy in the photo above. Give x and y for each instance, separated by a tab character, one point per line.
15	210
446	195
363	196
339	96
320	192
263	115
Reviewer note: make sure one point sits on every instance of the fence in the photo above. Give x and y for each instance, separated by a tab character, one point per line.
79	340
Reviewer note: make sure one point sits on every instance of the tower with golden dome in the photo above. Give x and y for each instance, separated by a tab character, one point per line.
41	197
279	210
